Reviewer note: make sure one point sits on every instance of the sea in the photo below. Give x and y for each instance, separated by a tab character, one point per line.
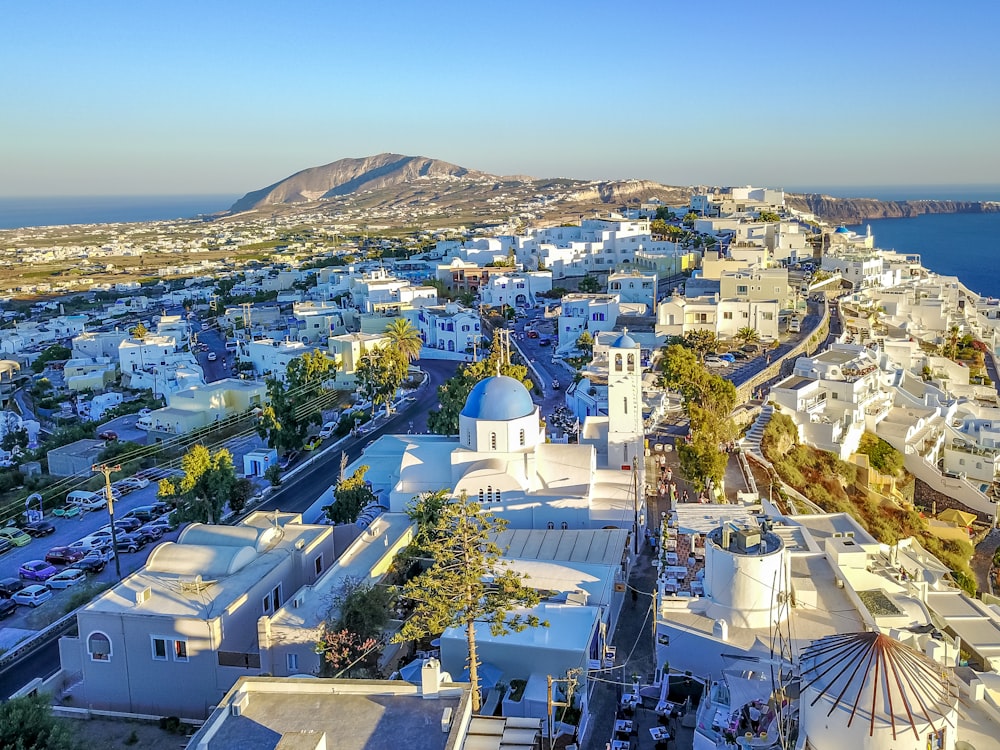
16	213
962	245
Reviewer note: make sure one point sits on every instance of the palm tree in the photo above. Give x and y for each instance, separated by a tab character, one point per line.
404	338
748	335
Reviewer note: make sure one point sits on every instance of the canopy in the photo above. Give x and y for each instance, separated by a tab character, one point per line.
411	672
957	517
489	675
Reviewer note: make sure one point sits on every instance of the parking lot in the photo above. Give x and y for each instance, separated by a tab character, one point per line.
25	619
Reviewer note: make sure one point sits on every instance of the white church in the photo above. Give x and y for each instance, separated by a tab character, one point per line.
502	457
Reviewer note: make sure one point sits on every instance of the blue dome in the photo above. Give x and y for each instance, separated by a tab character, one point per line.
843	230
498	399
625	342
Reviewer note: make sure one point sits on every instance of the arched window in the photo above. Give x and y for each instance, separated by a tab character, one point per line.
481	495
564	525
99	646
631	363
489	493
498	495
626	404
493	441
468	438
522	437
618	363
550	525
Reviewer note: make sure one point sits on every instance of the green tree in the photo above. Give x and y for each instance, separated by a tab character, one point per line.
27	723
748	335
295	402
140	332
208	484
403	337
455	391
54	353
589	284
350	496
379	373
769	216
468	583
425	510
701	342
882	456
659	226
690	217
585	343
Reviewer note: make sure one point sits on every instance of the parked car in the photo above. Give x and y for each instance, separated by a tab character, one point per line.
730	358
15	536
327	430
127	525
7	607
92	542
131	484
152	531
36	570
130	543
288	459
145	513
313	443
39	528
212	356
544	341
10	586
5	546
33	596
715	362
145	412
66	578
65	555
92	563
531	334
109	435
86	500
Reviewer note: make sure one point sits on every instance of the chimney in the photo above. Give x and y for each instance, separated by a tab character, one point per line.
430	678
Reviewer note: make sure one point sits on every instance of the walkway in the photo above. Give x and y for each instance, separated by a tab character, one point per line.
634	635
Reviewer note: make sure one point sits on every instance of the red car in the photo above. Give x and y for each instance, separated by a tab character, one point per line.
64	555
109	435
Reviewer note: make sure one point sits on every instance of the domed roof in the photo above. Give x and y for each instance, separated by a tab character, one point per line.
625	342
862	671
843	230
498	399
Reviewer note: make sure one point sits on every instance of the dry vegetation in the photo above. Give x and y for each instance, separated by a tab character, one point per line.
829	482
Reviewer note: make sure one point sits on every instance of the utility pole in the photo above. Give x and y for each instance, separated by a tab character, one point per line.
106	470
570	680
635	504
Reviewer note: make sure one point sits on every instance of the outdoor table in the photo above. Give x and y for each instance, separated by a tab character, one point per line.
669	708
623	726
621	745
631	700
659	734
671	558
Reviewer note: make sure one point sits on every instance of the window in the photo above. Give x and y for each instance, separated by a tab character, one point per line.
618	363
276	596
521	437
482	495
550	525
159	648
631	363
180	650
727	316
318	564
493	441
489	493
99	646
497	497
293	662
626	404
564	525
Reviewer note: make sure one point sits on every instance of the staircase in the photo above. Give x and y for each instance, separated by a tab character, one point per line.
751	441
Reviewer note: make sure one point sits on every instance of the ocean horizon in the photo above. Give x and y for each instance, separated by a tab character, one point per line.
21	213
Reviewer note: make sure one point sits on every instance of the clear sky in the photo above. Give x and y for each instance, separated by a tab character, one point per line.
213	96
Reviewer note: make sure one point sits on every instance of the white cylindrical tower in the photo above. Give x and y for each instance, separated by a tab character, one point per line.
868	691
745	576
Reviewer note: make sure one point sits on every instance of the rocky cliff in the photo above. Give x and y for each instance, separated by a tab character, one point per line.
352	175
856	210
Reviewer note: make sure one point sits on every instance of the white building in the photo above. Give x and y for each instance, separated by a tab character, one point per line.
594	313
447	328
138	354
270	358
514	288
635	287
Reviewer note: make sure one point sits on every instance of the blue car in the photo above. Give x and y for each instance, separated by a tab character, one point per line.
727	358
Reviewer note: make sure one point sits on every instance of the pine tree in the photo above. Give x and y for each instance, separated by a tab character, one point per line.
467	584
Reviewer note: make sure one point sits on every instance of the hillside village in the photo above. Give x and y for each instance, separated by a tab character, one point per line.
727	607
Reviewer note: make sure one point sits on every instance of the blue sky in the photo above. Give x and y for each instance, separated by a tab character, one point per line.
223	97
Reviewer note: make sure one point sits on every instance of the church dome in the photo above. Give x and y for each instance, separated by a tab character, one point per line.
625	342
842	230
498	399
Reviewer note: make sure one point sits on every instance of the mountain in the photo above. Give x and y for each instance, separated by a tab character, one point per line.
347	176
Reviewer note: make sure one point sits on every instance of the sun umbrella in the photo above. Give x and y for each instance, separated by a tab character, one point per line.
489	675
411	672
957	517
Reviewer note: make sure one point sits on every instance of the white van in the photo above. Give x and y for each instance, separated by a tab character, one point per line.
86	500
794	324
144	423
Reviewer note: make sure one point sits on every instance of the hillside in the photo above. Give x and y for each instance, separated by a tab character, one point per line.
857	210
346	176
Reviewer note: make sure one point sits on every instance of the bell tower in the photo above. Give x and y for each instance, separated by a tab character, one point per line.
626	436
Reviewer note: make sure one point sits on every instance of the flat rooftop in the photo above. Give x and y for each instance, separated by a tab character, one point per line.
352	718
605	546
